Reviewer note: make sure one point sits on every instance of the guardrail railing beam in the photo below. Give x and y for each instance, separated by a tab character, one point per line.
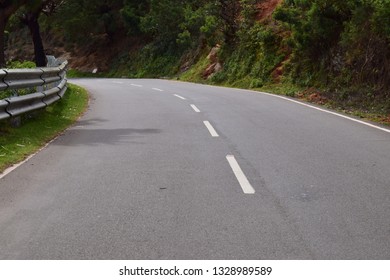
49	83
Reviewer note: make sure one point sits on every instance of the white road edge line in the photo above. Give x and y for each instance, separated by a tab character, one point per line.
211	129
135	85
310	106
119	83
157	89
196	109
328	112
244	183
15	166
181	97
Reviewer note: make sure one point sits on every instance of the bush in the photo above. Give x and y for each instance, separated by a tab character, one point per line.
338	44
20	64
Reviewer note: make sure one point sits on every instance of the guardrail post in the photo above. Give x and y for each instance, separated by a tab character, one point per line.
15	121
42	89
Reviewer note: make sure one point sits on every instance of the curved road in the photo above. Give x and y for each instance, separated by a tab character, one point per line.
167	170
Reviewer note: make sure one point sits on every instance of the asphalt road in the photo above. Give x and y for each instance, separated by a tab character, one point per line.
167	170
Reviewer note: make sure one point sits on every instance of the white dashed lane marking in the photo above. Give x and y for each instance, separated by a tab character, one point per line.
196	109
181	97
211	129
242	180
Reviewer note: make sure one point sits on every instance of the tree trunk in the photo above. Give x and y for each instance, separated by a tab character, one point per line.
7	8
39	51
2	38
230	13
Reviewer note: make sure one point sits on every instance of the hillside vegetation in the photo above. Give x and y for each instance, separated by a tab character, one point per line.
327	51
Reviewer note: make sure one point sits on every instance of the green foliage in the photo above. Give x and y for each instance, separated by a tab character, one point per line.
20	64
199	24
180	25
366	40
147	62
162	22
252	63
315	25
210	30
248	13
131	13
195	73
338	44
194	24
84	21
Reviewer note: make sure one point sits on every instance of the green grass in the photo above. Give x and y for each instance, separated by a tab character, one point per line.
18	143
281	89
371	112
194	73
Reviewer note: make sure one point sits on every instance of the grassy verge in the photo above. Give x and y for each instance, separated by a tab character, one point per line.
194	73
374	111
73	73
18	143
371	110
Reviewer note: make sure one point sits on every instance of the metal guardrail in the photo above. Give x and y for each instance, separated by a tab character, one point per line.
49	83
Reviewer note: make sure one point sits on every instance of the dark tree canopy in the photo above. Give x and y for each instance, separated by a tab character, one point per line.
7	8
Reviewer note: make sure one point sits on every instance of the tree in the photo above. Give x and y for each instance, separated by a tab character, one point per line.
7	8
229	12
30	16
162	21
87	22
131	13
